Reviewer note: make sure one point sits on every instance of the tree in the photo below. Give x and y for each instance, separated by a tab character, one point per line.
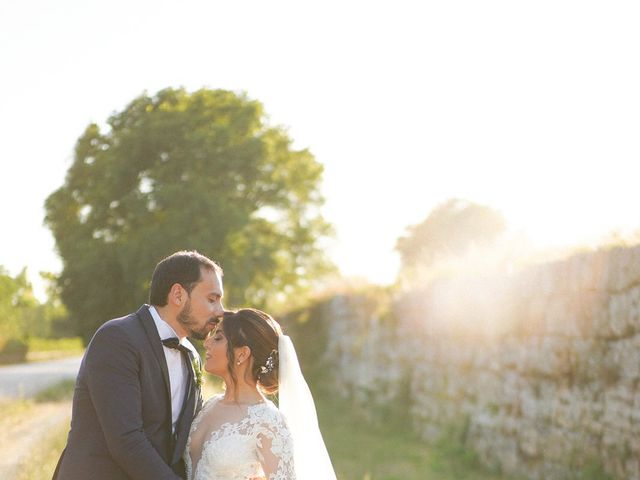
450	230
181	170
53	314
17	304
22	315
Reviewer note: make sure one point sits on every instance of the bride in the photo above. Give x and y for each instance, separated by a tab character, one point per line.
240	434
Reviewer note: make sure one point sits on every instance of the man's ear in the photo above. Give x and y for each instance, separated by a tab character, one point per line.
177	295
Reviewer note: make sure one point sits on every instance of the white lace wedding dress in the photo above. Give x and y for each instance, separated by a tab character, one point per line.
238	442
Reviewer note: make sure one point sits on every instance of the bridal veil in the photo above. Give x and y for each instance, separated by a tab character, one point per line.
311	458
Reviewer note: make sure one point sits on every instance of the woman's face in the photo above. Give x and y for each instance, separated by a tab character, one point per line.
216	352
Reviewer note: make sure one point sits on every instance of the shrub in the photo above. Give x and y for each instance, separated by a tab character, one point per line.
13	350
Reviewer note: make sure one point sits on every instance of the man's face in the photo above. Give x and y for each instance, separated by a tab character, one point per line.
203	308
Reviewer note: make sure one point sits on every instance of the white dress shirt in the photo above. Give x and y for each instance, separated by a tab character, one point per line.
178	375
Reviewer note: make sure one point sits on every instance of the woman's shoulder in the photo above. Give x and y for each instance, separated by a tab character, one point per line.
206	406
212	400
268	413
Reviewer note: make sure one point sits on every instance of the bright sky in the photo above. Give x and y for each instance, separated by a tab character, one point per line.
530	107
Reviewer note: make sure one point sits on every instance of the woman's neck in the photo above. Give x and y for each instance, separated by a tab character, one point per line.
242	393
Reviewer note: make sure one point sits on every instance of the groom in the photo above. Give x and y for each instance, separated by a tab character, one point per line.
137	389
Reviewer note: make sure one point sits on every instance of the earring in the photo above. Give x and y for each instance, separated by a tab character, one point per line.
238	362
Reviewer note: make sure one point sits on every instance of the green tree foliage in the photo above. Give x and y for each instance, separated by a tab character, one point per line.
450	230
22	314
55	319
181	170
17	304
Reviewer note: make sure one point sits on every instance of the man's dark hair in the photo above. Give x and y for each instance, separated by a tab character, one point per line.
183	267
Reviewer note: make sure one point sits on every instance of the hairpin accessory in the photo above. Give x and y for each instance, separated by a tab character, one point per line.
270	363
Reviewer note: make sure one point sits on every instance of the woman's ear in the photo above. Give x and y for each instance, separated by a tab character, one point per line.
242	354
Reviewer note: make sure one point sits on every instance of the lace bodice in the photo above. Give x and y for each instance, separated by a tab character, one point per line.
238	442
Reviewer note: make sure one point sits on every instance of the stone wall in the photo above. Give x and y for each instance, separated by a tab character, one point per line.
539	371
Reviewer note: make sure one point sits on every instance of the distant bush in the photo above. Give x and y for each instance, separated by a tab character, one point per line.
13	350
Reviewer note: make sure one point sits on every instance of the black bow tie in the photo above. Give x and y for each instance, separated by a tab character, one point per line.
174	343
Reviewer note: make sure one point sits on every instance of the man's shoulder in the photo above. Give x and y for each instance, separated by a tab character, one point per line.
119	322
127	324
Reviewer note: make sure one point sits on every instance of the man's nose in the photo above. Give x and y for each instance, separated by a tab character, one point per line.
219	310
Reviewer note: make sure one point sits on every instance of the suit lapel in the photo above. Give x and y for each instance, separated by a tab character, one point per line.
156	345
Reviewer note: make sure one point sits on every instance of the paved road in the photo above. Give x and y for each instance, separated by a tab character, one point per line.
26	379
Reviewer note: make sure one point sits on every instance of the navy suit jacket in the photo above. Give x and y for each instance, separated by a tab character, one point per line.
121	425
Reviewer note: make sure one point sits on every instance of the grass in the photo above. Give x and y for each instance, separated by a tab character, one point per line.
52	348
13	411
59	392
46	453
363	451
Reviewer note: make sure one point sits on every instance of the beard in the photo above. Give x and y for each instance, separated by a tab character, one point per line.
190	323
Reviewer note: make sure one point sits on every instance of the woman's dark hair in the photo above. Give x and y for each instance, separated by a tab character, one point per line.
258	331
183	267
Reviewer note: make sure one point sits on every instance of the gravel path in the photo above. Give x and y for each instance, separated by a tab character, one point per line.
25	379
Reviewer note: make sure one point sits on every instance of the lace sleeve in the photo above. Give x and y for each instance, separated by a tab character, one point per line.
275	448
